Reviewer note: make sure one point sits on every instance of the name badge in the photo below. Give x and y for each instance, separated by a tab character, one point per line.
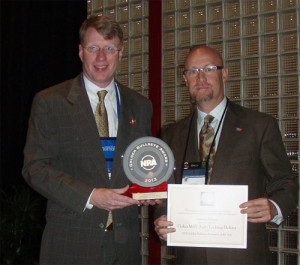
108	147
193	173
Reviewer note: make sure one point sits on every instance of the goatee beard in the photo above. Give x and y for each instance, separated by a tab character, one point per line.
203	98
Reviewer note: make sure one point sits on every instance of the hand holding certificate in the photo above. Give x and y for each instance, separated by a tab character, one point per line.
207	215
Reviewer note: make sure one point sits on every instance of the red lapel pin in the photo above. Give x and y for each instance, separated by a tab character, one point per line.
238	129
132	121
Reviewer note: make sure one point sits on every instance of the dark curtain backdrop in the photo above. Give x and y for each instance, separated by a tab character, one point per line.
39	48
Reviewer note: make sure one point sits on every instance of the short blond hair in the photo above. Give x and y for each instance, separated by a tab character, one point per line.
105	26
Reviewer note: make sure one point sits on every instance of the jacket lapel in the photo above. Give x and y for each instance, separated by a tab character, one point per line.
84	119
229	135
192	154
124	136
186	149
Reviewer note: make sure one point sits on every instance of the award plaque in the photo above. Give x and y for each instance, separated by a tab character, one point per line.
148	162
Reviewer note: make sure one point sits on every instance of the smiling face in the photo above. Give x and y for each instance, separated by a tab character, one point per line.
207	89
99	67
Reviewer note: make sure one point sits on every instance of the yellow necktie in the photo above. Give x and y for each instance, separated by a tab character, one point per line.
101	115
103	130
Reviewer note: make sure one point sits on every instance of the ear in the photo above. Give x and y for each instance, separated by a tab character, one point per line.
121	53
185	80
224	74
80	52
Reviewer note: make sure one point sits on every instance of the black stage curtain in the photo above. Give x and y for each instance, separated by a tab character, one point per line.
39	48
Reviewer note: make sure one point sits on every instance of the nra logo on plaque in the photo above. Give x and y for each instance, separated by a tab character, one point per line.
148	162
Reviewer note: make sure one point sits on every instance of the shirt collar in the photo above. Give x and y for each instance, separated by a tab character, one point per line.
92	89
216	112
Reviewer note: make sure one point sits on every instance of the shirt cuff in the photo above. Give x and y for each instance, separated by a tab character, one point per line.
88	205
278	219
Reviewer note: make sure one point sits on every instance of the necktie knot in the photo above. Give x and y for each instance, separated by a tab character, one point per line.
101	95
207	120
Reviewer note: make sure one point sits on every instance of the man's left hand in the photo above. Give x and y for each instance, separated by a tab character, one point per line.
260	210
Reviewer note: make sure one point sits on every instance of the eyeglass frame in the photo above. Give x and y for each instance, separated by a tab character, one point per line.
113	51
204	70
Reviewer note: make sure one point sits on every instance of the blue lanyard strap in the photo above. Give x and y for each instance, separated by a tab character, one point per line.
118	100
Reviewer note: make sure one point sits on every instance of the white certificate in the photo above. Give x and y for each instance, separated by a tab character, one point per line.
207	215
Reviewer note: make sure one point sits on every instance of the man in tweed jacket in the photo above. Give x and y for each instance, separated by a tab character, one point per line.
65	161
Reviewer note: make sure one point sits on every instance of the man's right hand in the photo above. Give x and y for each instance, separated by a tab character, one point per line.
111	199
162	227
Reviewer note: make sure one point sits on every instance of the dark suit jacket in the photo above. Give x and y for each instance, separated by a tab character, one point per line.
64	161
250	152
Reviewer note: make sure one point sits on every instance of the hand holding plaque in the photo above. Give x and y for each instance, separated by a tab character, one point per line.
148	162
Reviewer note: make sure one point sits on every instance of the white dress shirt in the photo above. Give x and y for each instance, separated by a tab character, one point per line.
217	113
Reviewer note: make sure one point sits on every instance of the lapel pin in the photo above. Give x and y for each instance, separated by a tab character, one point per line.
238	129
132	121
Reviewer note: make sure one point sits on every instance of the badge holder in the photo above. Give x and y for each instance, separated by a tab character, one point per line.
194	173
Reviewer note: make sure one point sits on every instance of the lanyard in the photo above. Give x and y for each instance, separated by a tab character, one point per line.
213	142
118	100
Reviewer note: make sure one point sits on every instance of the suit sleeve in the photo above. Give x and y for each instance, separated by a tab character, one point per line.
282	186
41	157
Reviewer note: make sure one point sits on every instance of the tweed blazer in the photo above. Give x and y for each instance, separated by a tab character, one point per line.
64	162
250	152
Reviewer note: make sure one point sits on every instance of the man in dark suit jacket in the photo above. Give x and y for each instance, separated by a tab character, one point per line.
65	159
249	151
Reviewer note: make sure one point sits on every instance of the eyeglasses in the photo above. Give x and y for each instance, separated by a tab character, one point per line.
192	73
95	49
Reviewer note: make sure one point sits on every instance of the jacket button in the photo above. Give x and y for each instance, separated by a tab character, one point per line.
101	225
